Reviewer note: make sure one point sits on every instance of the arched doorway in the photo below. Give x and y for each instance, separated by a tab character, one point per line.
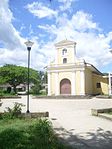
65	87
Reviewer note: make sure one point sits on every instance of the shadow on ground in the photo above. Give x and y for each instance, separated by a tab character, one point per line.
99	140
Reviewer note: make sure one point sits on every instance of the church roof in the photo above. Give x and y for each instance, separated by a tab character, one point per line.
93	69
65	42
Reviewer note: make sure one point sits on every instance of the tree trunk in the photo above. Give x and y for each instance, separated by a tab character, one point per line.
15	90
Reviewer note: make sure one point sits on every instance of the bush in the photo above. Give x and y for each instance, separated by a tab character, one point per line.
42	134
35	89
14	112
11	139
1	93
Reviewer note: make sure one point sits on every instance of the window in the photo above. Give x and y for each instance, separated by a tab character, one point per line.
64	51
64	60
98	85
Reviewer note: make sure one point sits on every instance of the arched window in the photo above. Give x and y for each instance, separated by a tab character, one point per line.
64	51
64	60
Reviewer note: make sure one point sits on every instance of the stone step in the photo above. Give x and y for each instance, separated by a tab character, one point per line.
65	97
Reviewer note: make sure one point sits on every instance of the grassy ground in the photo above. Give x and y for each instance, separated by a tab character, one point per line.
109	113
28	134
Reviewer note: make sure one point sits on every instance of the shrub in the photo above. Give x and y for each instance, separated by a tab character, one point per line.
35	89
42	134
11	138
1	92
14	112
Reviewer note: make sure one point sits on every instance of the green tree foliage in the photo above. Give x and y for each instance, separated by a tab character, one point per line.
16	75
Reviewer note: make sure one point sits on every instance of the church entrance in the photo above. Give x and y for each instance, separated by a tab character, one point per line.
65	87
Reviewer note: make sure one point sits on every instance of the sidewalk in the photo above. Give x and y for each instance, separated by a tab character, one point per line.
97	140
68	138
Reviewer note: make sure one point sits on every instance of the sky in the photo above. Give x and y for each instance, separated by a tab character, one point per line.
87	22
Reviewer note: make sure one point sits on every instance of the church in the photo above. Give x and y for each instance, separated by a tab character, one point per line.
69	75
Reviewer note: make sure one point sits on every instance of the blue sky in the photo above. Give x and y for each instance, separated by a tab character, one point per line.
88	22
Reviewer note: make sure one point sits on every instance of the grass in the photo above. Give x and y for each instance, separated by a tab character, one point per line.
28	134
110	113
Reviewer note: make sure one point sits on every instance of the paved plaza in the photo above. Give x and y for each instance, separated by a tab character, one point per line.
72	119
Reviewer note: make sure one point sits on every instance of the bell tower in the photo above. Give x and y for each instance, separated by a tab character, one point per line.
66	52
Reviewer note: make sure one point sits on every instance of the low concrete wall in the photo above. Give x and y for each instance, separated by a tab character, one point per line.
35	114
9	97
95	112
32	115
105	116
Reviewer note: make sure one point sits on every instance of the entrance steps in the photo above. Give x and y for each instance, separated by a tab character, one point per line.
65	97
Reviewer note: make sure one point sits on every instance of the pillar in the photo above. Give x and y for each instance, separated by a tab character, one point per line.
73	83
56	84
82	82
49	84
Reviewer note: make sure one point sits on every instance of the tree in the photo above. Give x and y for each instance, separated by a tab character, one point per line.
15	75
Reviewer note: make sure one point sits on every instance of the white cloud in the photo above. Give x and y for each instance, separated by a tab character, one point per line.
83	21
12	50
66	4
8	35
91	45
41	11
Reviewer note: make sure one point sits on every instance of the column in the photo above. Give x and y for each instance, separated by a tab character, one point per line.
73	83
49	84
56	57
56	84
82	82
110	84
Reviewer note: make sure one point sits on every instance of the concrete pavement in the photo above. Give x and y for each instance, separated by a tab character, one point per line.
73	121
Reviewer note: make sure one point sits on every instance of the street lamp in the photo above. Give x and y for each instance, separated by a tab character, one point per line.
28	45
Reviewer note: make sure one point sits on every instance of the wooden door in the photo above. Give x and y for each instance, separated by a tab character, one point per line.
65	87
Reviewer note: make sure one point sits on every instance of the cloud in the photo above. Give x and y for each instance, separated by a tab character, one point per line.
83	21
66	4
8	35
13	48
92	44
41	11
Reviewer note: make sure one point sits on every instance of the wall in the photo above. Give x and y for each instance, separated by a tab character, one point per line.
88	82
104	84
67	75
60	77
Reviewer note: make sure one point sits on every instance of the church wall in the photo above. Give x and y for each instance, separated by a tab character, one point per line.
78	83
88	82
104	84
65	75
55	83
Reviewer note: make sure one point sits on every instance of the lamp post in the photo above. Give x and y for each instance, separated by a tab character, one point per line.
28	45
